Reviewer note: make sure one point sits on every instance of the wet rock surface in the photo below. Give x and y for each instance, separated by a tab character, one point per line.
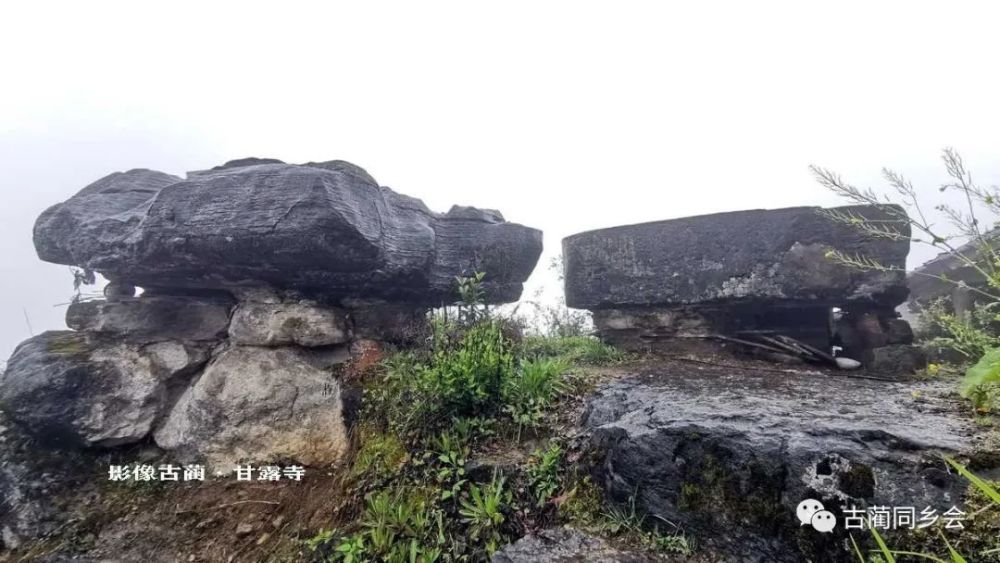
767	255
565	545
324	228
712	449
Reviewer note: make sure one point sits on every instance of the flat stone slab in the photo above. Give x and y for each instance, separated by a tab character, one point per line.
152	318
322	228
713	448
764	255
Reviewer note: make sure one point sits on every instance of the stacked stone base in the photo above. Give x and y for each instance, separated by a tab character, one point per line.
878	339
214	378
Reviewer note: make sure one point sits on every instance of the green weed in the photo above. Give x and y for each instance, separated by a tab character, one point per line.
482	512
544	473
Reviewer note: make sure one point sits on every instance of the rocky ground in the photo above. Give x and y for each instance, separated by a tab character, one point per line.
717	450
727	450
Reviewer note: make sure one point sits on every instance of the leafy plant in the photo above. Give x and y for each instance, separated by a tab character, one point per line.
678	544
981	377
624	519
469	376
980	484
471	308
321	538
533	388
451	455
544	470
483	513
966	223
352	549
970	336
627	521
399	526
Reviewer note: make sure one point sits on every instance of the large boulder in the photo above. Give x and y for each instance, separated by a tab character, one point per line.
77	389
325	228
757	255
262	404
713	449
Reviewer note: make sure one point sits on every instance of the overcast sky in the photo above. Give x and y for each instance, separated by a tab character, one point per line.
566	116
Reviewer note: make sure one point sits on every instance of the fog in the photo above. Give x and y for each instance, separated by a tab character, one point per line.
566	116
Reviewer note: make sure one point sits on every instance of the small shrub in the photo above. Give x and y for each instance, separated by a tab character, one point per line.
970	338
483	514
321	538
450	454
981	384
533	388
544	473
462	374
470	291
469	376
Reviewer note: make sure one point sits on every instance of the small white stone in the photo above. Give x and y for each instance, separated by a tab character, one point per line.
848	363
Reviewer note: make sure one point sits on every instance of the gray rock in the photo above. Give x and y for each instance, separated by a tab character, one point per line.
325	228
153	318
712	449
304	323
898	331
26	509
565	545
261	404
24	515
388	322
76	389
768	255
897	359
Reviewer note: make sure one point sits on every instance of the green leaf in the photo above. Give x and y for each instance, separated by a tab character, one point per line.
857	550
889	557
983	486
986	370
920	555
955	556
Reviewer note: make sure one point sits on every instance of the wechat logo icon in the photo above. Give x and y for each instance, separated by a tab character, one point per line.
812	513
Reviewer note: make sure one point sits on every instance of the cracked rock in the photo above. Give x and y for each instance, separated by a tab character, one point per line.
261	404
77	389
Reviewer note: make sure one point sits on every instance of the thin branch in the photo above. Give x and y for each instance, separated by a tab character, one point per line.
835	183
866	263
